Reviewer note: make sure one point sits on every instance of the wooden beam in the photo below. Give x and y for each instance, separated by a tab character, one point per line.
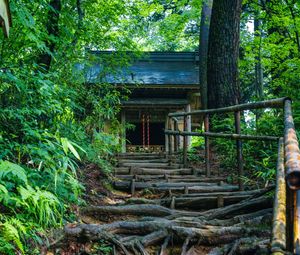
222	135
273	103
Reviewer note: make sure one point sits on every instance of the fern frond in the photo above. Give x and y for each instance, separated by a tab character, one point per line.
12	171
10	232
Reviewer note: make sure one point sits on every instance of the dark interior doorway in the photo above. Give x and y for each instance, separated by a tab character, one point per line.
156	134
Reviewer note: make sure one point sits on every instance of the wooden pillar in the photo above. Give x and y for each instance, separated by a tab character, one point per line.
170	136
166	136
189	125
123	131
175	136
178	137
185	144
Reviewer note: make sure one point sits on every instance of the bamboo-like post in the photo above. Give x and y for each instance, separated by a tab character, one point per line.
239	149
292	152
297	222
178	136
123	131
207	147
170	136
289	219
175	136
292	164
132	187
185	145
166	136
278	244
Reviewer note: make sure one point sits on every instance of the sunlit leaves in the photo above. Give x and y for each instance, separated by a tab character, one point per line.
279	46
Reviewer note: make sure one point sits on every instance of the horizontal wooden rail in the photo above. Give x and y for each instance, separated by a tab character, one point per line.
286	221
222	135
273	103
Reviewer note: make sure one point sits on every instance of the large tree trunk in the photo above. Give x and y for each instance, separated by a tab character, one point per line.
203	49
223	53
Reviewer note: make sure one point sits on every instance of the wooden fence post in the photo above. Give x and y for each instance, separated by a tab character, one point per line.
279	233
239	149
185	145
207	153
170	136
175	136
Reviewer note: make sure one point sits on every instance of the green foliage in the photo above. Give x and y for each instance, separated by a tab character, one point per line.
10	172
103	248
260	157
10	230
275	43
193	155
198	142
168	25
51	120
42	205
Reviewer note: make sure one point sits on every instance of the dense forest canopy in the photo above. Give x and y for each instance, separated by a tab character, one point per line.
51	119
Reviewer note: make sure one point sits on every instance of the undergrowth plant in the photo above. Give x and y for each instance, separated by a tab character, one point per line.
260	157
52	120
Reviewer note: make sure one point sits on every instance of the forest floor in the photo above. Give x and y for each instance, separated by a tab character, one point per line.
152	205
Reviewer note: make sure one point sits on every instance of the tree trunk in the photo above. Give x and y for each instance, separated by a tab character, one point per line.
258	62
259	85
223	53
52	30
203	49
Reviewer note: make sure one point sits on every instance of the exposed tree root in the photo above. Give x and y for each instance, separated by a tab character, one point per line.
218	227
232	221
236	228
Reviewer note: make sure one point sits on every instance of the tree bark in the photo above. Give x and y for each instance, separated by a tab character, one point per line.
223	53
258	62
203	49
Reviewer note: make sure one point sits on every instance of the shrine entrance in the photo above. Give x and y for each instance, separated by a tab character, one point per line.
144	122
146	135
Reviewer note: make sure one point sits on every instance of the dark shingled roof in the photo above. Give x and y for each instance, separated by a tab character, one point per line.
161	68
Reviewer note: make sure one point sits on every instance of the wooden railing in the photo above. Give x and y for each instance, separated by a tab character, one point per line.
286	221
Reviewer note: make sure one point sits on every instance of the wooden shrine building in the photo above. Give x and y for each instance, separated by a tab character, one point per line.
161	82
